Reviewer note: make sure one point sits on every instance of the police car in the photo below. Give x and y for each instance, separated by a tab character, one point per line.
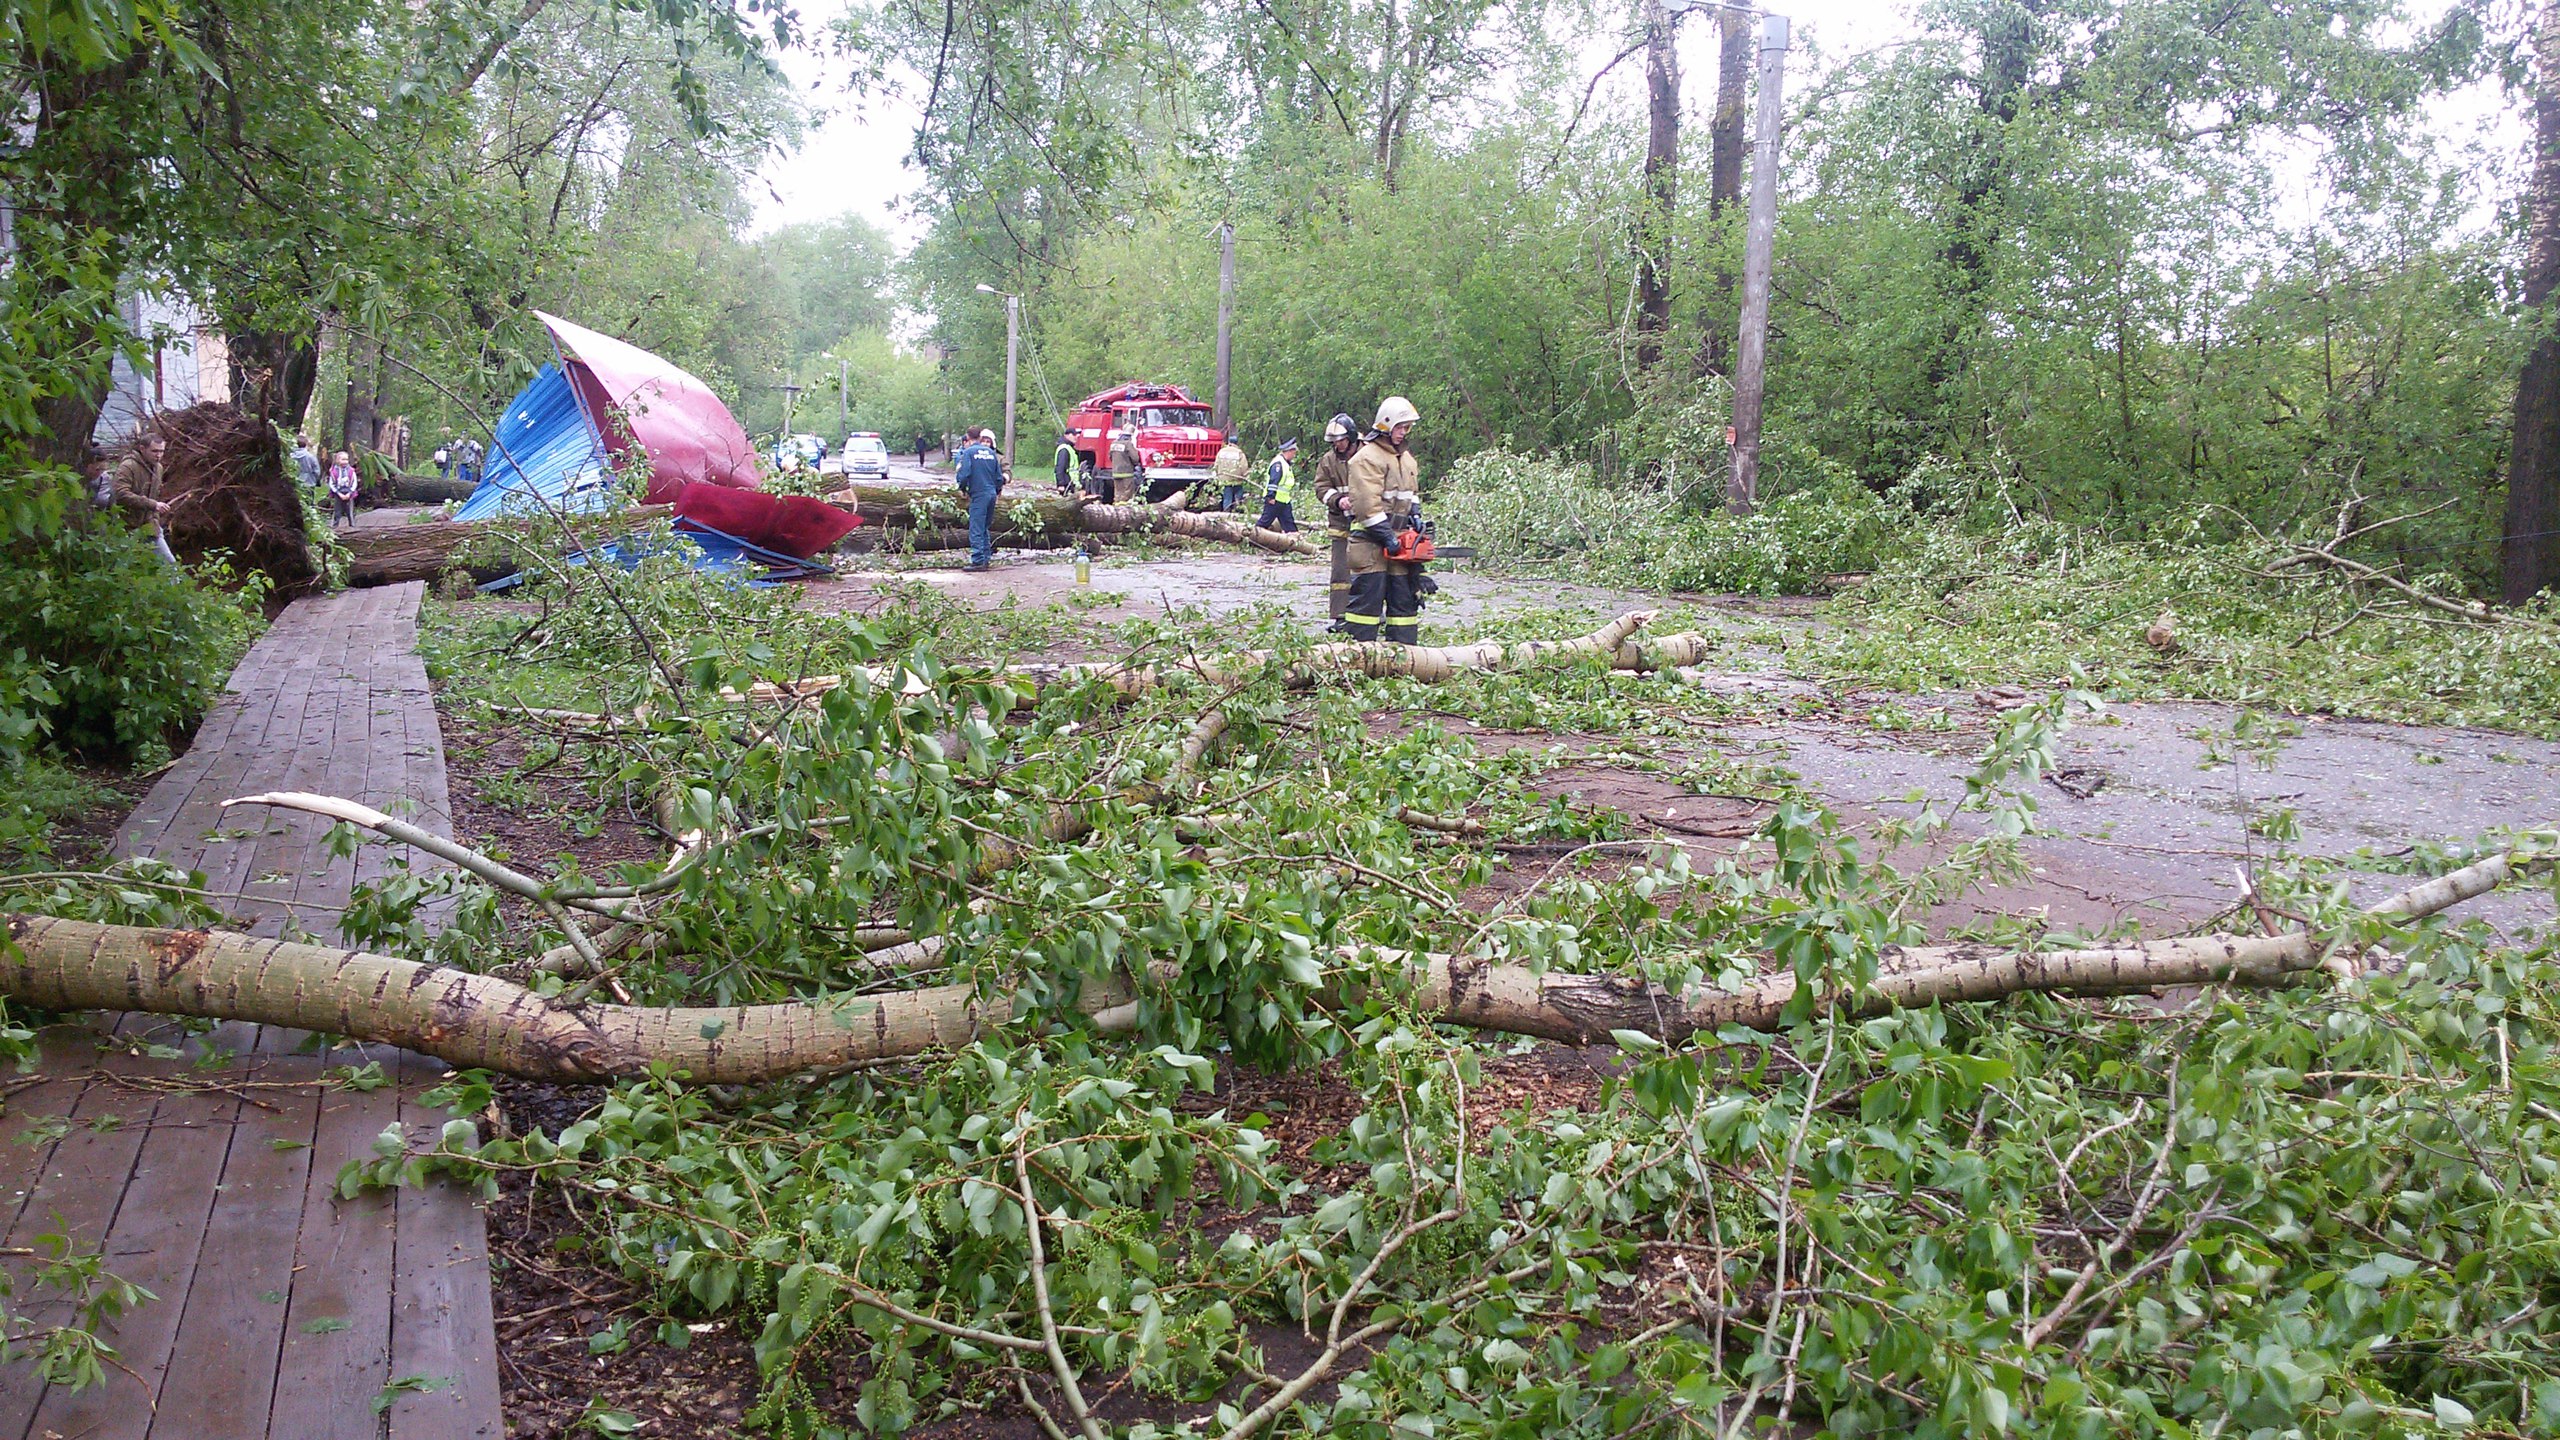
866	456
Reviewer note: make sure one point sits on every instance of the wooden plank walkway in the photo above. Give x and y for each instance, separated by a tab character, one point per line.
211	1178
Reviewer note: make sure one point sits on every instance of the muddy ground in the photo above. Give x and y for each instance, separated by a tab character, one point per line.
2150	821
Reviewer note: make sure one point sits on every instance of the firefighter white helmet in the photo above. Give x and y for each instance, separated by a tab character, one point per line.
1397	410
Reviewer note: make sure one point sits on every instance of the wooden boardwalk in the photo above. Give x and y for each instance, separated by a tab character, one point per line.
210	1178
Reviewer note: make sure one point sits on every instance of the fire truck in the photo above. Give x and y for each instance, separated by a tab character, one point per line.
1176	444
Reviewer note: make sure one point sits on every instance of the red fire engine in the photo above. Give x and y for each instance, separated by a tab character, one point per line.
1175	442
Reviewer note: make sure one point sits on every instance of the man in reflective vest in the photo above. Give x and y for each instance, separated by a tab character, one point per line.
1280	492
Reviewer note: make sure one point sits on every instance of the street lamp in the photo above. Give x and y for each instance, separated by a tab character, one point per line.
1012	343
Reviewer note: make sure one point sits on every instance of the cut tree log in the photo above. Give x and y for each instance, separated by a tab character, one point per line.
481	1021
429	489
396	554
894	518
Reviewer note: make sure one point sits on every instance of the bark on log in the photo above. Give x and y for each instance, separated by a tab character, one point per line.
397	554
1583	1009
1355	660
429	489
472	1020
894	518
1340	661
902	517
480	1020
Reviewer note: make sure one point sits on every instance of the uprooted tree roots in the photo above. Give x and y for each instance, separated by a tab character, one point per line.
229	495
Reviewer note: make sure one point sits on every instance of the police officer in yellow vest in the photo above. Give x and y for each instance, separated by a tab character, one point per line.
1333	492
1386	602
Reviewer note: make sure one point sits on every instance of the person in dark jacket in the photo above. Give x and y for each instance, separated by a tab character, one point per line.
1280	492
981	476
1066	466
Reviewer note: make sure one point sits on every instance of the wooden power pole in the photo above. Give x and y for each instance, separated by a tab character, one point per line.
1742	489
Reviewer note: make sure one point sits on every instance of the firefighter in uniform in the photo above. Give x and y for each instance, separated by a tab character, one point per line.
1229	471
1124	466
1333	492
1385	494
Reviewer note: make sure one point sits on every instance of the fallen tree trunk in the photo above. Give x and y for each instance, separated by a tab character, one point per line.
1046	520
429	489
1582	1009
396	554
481	1021
1345	660
894	518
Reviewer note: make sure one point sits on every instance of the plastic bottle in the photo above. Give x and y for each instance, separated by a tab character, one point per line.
1084	566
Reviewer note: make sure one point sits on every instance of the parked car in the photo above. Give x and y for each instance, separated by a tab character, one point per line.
866	456
799	452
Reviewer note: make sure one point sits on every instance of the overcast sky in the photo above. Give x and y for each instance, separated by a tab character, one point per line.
853	162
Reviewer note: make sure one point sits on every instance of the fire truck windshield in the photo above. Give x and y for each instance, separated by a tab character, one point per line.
1167	415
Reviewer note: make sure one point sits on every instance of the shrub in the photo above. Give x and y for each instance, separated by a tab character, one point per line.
104	645
2034	602
1543	516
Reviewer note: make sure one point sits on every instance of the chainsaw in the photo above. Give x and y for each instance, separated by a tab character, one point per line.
1413	543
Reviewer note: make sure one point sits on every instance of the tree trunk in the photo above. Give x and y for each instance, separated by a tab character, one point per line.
1661	184
1734	54
2009	45
92	221
398	553
1345	660
429	489
480	1021
364	357
1355	660
891	515
2529	560
272	374
1385	143
1581	1009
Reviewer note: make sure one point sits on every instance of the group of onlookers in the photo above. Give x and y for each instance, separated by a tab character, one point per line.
459	460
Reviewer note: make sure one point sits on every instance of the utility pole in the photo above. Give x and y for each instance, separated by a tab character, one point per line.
844	422
1226	320
1012	353
790	394
1742	490
1012	349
